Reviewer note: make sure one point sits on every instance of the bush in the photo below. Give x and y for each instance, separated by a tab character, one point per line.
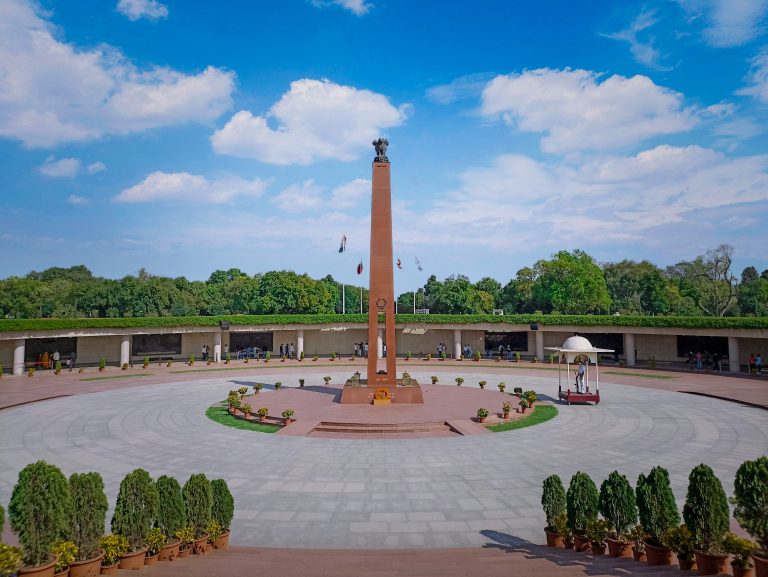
214	531
186	535
262	412
482	384
288	413
223	503
459	381
502	386
245	408
531	397
136	508
278	384
706	509
656	505
506	407
581	501
680	540
518	391
89	512
40	510
257	387
155	541
115	546
172	514
327	379
751	499
301	382
11	559
617	503
740	548
146	362
552	499
242	391
198	498
66	551
482	413
434	379
477	356
597	530
102	363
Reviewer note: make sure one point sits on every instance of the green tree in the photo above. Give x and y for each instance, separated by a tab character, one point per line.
570	283
89	512
637	288
136	508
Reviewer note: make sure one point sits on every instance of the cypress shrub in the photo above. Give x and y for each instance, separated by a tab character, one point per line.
40	510
581	502
89	513
617	503
552	499
198	498
2	516
656	504
751	499
706	509
136	508
172	514
223	503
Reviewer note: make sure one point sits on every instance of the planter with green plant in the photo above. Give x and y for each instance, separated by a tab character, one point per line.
287	414
658	512
242	391
482	384
278	385
680	540
434	379
502	386
707	515
58	367
124	367
89	514
750	499
214	531
191	359
524	406
482	414
102	364
245	409
65	552
227	358
114	547
262	413
223	511
39	512
135	513
553	503
517	357
327	379
741	549
581	504
459	381
198	499
618	506
531	397
301	356
257	387
477	356
561	528
301	383
597	531
11	560
171	515
146	362
518	391
638	536
155	541
408	356
186	537
506	408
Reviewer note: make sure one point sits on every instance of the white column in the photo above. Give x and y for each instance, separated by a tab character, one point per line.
299	343
457	343
629	349
540	345
217	347
125	350
733	355
380	344
18	356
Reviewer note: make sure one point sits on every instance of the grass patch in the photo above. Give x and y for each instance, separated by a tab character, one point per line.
643	375
113	377
219	414
540	414
250	367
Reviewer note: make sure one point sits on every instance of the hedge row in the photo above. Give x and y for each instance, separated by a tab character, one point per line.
438	319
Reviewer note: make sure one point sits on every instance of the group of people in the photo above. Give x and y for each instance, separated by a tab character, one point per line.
501	351
705	360
755	363
49	360
287	350
361	349
441	350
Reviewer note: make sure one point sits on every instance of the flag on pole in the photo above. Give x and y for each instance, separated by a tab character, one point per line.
399	264
418	264
360	268
343	245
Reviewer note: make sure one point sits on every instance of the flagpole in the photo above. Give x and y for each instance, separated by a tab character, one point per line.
361	300
414	302
343	299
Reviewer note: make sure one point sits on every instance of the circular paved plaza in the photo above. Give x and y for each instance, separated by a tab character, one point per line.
399	493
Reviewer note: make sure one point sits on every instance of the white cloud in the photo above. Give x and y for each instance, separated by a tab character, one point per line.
184	187
62	168
78	200
136	9
644	52
358	7
758	79
577	112
729	22
54	92
95	167
463	88
300	198
315	120
350	194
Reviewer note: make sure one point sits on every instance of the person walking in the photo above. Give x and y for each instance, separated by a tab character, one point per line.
72	360
698	360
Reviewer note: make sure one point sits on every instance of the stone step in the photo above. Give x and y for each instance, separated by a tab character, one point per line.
382	428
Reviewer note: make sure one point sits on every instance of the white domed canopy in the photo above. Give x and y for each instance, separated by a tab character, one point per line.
576	347
577	343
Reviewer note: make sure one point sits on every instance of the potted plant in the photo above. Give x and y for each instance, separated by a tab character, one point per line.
65	552
327	379
517	356
459	381
751	507
155	541
315	357
191	359
482	384
262	413
39	513
680	540
518	391
198	499
524	405
301	383
287	415
531	397
223	511
242	391
637	536
146	362
135	513
301	356
278	384
482	414
408	356
11	560
102	364
171	516
581	504
618	506
227	358
257	387
434	379
114	547
245	408
741	549
596	532
707	516
561	528
169	363
31	372
502	386
477	356
553	503
506	408
406	379
58	367
186	537
124	367
442	355
233	400
333	356
658	512
214	533
89	513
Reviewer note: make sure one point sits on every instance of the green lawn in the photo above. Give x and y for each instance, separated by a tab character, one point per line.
112	377
643	375
540	414
220	414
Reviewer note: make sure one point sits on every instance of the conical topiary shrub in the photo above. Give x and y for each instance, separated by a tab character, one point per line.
198	499
223	503
136	508
656	505
750	495
40	510
552	500
172	514
89	513
617	504
581	502
706	509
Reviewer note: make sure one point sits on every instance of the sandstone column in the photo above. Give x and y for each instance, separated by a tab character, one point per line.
629	349
19	347
217	347
457	352
733	355
299	343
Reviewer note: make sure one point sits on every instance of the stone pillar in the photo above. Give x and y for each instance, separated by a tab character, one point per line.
733	355
19	347
299	343
457	343
629	349
540	345
380	344
125	350
217	347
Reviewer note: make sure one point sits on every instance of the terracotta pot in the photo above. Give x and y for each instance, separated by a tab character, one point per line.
133	561
554	539
199	546
170	551
64	573
45	570
638	555
151	559
761	566
710	564
686	565
617	548
222	542
658	555
88	567
185	552
597	548
481	419
569	545
506	416
110	569
581	543
741	571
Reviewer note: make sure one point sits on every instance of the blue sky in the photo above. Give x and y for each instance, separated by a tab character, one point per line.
189	136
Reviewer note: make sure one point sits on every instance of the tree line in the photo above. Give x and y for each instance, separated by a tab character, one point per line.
567	283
